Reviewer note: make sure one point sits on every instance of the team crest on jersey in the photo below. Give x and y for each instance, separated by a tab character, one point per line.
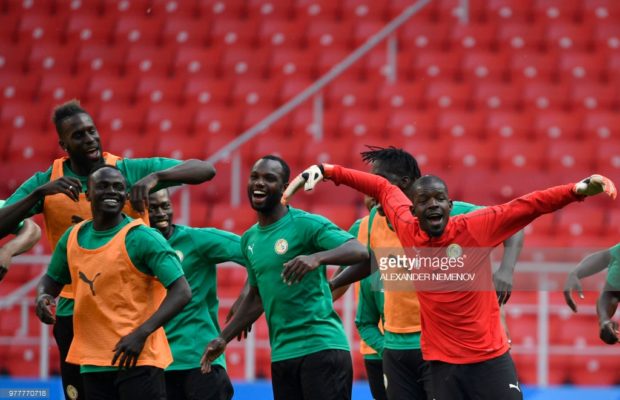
180	255
281	246
72	392
454	251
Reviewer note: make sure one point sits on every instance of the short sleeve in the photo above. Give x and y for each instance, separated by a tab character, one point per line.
461	207
324	233
29	186
58	269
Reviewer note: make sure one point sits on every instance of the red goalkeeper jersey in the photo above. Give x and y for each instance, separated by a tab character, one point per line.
459	326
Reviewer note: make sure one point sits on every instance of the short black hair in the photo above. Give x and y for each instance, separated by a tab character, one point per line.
427	180
66	110
285	167
398	161
102	166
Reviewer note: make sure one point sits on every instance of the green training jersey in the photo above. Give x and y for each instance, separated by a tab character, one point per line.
613	274
301	316
189	332
148	250
132	169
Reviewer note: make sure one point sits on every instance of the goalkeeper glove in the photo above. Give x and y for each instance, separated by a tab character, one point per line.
594	185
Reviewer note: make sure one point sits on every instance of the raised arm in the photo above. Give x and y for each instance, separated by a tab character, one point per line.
26	237
250	309
606	308
592	264
128	349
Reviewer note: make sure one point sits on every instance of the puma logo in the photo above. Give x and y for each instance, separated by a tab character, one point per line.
511	386
90	283
251	248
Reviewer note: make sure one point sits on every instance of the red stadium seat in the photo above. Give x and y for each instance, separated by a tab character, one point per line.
568	35
254	115
45	58
44	28
104	88
231	31
317	9
349	94
322	33
334	151
436	65
89	29
607	36
484	65
179	146
496	96
232	219
613	62
532	66
96	58
422	34
281	32
133	29
602	125
571	155
12	57
169	119
581	66
24	115
270	144
448	95
292	87
581	221
59	88
557	125
473	155
328	58
118	117
365	29
30	145
362	125
377	67
235	362
431	155
473	36
608	157
396	7
461	124
24	360
593	96
220	8
205	90
148	59
217	121
509	124
13	87
156	89
302	122
343	216
252	92
124	8
600	11
130	145
509	10
518	154
28	7
196	61
287	63
595	370
404	95
77	7
239	60
267	9
173	8
553	10
364	9
520	35
183	31
411	124
544	96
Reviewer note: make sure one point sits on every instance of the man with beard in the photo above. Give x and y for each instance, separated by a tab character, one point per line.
286	253
58	194
199	250
121	270
462	336
27	235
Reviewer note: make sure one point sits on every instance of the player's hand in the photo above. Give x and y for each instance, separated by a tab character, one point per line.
5	262
214	349
139	194
295	269
128	349
233	309
308	179
502	280
609	332
43	308
594	185
71	187
572	283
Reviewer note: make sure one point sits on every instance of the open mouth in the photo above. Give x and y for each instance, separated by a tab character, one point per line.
111	202
434	218
259	196
93	154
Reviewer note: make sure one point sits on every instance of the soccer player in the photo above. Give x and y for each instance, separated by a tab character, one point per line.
58	194
121	270
462	334
310	356
607	305
27	235
188	333
592	264
406	373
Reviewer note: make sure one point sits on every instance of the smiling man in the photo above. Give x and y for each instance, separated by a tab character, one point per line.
58	194
199	250
462	336
286	254
120	270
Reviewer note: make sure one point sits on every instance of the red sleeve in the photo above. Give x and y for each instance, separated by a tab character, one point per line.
396	205
492	225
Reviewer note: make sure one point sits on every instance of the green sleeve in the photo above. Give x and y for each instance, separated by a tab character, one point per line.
248	266
613	274
36	180
460	207
355	228
324	233
368	317
135	169
151	254
218	246
58	269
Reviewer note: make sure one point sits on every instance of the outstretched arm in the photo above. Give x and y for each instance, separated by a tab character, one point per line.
606	308
503	276
351	274
250	309
190	172
592	264
128	349
26	237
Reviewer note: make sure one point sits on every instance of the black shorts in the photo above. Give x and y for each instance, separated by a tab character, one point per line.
374	371
72	385
324	375
488	380
138	383
191	384
407	375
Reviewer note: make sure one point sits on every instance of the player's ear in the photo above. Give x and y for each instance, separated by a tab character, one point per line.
451	204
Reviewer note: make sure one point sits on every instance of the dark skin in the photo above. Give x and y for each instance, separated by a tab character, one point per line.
79	138
592	264
23	241
606	308
265	188
107	195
